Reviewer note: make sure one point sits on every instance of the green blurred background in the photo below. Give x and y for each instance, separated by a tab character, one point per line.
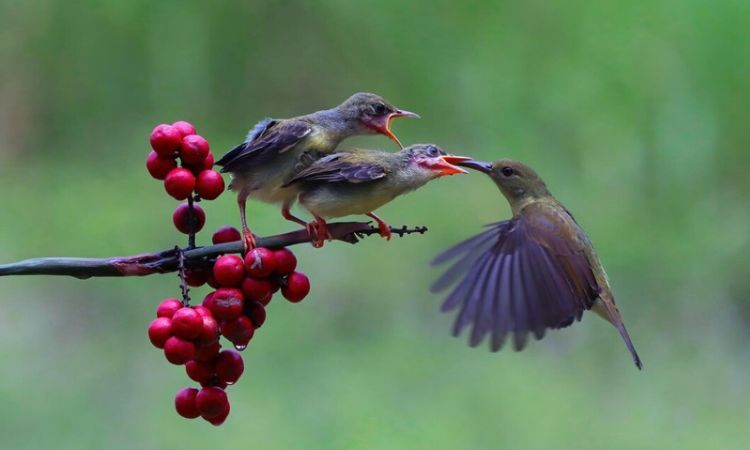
636	113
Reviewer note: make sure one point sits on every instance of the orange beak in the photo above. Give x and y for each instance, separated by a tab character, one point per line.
445	164
385	127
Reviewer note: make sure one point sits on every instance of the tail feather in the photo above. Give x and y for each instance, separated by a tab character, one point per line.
606	308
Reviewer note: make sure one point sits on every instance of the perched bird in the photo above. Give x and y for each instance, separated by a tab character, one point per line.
275	148
360	181
535	271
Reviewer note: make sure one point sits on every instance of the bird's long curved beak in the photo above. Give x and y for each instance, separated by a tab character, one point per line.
446	164
386	127
481	166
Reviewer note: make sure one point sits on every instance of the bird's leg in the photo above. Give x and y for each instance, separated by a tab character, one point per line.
385	230
248	240
285	211
318	231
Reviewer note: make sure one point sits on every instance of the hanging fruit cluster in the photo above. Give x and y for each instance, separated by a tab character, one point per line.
244	286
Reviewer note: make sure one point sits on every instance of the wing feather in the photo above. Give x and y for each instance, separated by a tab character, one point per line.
519	277
340	167
267	139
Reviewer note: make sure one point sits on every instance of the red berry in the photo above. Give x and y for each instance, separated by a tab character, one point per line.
178	351
229	366
218	420
210	184
168	307
187	323
181	218
209	331
159	166
207	352
285	261
296	288
211	402
211	281
159	331
257	289
256	312
195	277
185	128
179	183
275	285
208	162
165	139
206	301
259	262
202	372
226	233
226	303
229	270
184	403
193	149
239	331
202	310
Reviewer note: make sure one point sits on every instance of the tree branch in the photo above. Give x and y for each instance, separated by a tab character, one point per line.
168	260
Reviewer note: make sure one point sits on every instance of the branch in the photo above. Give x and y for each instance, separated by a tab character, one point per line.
168	260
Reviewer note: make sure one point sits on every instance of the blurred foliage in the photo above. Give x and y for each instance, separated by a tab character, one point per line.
635	113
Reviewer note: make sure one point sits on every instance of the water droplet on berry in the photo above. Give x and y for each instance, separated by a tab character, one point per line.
240	347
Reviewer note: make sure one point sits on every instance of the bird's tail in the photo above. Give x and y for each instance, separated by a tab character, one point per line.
605	307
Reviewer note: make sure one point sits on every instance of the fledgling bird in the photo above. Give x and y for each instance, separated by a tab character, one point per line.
535	271
360	181
275	148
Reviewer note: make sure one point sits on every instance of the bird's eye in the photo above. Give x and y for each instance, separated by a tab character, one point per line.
507	171
433	151
379	109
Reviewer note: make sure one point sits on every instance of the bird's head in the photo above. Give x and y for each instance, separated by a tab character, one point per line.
429	161
372	114
516	180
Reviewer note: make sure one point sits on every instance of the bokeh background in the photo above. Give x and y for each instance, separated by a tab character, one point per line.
636	113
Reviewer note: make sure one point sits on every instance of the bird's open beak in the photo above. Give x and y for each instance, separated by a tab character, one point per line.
445	164
383	126
476	165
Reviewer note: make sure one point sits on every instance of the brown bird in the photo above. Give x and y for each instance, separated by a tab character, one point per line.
534	272
360	181
275	148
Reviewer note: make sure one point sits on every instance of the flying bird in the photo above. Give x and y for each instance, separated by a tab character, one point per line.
360	181
275	148
522	276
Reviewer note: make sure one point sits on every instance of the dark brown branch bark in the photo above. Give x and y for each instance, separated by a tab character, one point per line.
168	260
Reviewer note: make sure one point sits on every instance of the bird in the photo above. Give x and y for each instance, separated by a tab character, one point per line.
534	272
360	181
275	149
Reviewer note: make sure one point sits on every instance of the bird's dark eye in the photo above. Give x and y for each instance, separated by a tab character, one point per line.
379	109
433	151
507	171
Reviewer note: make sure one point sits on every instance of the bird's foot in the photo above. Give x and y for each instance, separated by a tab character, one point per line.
383	228
312	231
318	231
248	240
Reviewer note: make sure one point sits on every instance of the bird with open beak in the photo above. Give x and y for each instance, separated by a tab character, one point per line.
360	181
275	148
534	272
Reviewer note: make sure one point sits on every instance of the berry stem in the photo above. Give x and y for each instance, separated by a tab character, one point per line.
183	279
191	222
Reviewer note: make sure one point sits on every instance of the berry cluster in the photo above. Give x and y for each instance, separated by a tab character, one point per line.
244	286
194	175
190	336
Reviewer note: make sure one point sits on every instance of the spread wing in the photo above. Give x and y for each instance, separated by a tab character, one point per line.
521	276
267	139
341	167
